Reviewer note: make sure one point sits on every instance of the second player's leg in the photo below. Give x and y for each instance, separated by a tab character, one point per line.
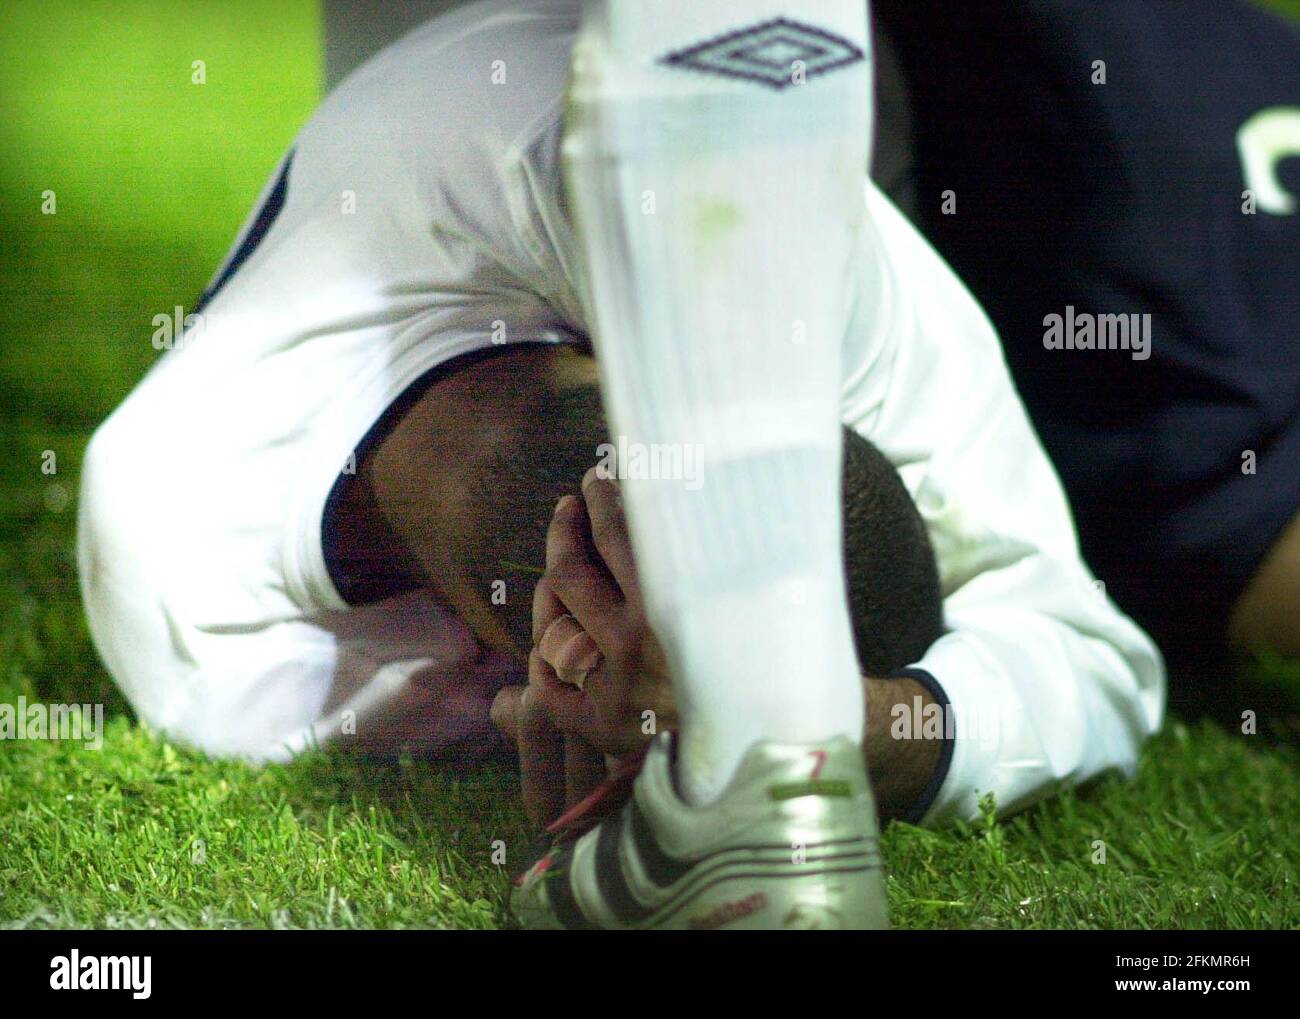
718	214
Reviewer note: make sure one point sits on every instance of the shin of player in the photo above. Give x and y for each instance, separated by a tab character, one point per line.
714	155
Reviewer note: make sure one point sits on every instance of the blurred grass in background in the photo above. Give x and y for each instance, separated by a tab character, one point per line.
152	174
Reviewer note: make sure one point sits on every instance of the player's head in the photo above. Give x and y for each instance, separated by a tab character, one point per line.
892	578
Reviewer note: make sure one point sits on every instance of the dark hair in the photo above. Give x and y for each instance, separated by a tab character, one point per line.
893	583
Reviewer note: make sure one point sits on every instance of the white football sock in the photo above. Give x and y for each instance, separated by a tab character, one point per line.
718	196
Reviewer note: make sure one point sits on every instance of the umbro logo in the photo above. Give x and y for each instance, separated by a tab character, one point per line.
777	53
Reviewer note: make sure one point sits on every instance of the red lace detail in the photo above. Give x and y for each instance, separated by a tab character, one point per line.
606	798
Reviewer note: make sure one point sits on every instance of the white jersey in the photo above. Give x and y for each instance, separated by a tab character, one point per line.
418	216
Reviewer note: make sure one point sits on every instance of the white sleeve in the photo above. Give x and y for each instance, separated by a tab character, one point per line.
1047	681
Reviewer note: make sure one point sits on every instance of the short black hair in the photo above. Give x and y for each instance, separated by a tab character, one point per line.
895	600
893	582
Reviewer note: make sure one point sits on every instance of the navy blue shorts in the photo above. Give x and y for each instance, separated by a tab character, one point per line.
1126	198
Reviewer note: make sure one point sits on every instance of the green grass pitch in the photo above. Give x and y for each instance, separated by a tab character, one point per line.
152	175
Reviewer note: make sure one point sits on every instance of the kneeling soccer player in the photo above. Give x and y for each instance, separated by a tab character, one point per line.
748	293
